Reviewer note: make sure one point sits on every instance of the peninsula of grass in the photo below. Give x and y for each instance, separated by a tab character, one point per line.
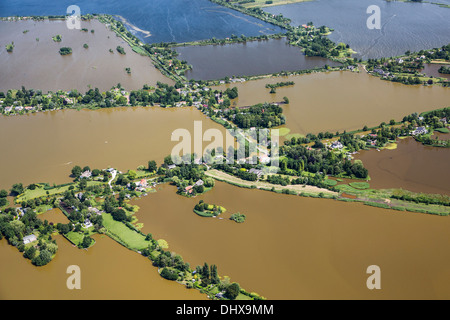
81	240
129	238
208	210
442	130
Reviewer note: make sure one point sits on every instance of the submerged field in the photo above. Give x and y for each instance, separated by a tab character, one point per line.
36	63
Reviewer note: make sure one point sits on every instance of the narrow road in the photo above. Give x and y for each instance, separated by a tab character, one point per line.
113	176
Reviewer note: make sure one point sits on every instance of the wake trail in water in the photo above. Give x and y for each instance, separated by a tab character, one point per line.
383	34
168	25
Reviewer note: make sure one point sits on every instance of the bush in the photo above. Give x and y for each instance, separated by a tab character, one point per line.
169	274
65	51
232	291
119	215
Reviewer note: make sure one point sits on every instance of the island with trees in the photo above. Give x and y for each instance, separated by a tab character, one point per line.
204	209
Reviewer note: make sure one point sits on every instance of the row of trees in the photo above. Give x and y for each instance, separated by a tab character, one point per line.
262	115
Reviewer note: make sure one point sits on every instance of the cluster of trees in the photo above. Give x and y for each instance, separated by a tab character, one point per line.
210	208
299	158
262	115
65	51
3	200
77	209
15	230
121	50
444	70
187	175
238	217
232	93
439	199
280	84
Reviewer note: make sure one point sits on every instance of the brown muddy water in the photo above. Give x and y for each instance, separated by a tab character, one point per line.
338	101
247	59
411	166
291	247
108	271
38	64
44	147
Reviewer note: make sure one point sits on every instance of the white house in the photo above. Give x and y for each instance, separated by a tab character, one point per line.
29	239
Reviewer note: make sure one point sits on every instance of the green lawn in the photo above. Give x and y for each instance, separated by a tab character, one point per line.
77	237
121	233
39	191
442	130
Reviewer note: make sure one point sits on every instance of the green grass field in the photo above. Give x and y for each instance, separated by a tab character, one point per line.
39	191
119	231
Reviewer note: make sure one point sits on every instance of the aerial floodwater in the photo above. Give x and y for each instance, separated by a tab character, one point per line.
316	243
249	58
98	66
411	166
156	20
404	25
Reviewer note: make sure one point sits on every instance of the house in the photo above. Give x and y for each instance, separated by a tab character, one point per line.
87	174
87	224
264	158
420	130
199	182
29	239
336	145
188	189
143	183
8	109
172	166
94	210
258	172
79	195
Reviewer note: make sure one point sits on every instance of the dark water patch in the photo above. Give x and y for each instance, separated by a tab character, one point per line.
250	58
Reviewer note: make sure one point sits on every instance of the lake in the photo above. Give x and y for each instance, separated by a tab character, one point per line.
246	59
404	25
56	141
38	64
411	166
341	100
292	247
166	21
108	271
